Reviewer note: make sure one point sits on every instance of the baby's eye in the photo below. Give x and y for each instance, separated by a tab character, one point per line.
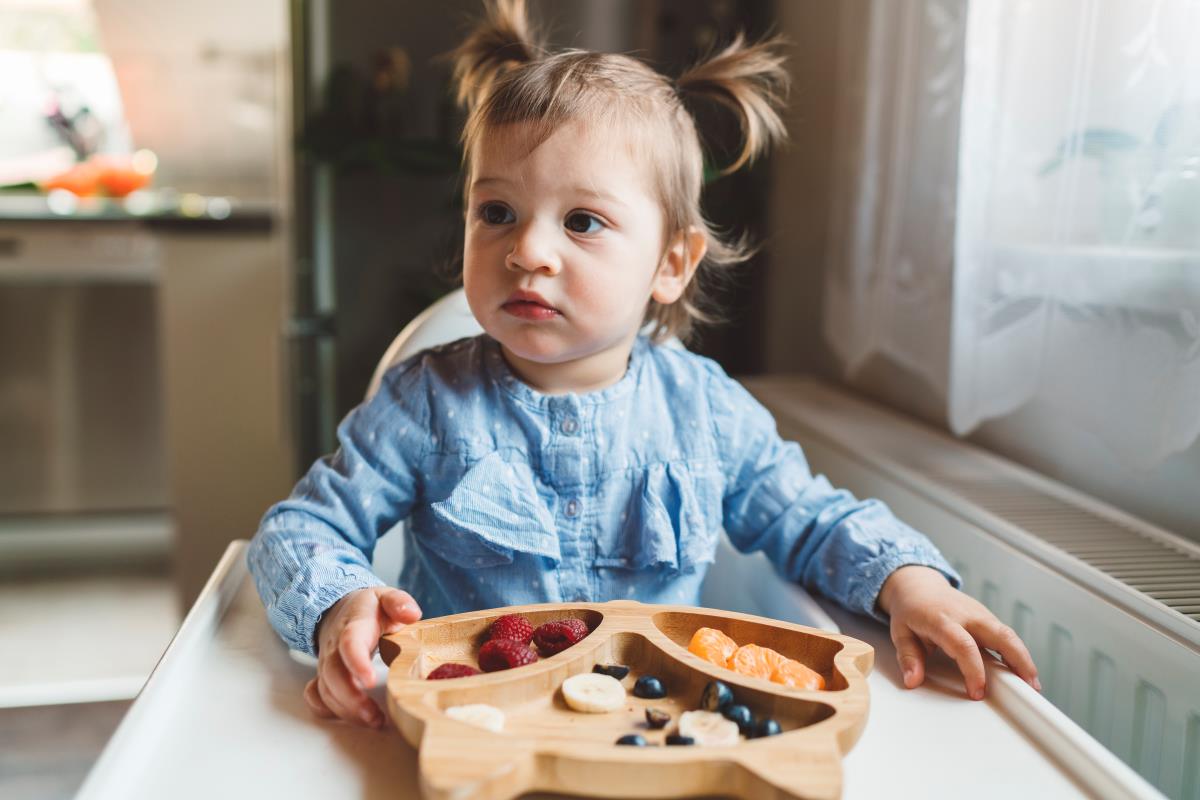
495	214
581	222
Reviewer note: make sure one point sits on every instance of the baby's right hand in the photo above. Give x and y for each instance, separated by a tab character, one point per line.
347	637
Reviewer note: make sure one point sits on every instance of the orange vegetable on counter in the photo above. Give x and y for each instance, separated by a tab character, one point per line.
114	175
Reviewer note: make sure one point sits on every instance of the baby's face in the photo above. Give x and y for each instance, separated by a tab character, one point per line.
562	251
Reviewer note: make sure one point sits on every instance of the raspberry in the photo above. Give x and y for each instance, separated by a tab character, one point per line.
554	637
451	671
579	626
498	654
511	626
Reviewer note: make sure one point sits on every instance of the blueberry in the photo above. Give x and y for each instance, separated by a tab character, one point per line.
656	718
649	687
766	727
617	671
742	716
676	738
717	696
634	739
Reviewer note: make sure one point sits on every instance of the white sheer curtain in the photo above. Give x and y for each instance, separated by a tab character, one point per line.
888	291
1022	220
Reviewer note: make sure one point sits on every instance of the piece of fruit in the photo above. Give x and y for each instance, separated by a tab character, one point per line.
498	654
634	739
593	693
511	626
480	715
794	674
656	718
649	687
766	727
119	175
740	715
712	645
451	671
675	738
708	728
579	626
716	697
554	637
81	180
617	671
755	661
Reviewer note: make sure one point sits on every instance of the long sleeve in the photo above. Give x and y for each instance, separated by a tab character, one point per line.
822	537
316	546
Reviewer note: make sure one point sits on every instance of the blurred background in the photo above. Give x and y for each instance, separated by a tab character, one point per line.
215	217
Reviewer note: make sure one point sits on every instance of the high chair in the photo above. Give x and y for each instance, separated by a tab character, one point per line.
735	582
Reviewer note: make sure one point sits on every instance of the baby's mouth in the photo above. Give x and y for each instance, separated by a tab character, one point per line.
529	305
530	310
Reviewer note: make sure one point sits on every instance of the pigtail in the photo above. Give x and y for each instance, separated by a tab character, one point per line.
750	80
504	40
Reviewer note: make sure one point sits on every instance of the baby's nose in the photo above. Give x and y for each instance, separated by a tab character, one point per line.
533	250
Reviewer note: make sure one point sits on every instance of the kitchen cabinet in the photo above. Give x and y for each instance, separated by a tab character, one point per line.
143	367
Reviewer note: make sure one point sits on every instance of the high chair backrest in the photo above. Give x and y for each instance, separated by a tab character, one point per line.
448	319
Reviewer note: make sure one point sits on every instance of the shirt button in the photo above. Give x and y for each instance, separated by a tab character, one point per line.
569	426
572	509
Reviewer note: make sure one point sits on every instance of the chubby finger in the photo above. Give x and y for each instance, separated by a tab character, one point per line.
349	702
1004	640
399	607
356	645
312	696
331	699
910	654
961	646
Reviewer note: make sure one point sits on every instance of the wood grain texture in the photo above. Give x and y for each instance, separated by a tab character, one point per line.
547	747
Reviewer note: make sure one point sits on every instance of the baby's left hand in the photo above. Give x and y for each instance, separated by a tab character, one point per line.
928	612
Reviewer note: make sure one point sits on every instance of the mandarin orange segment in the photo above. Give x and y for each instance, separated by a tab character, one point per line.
796	675
753	661
712	645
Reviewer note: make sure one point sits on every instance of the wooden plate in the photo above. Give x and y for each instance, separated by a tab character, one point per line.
545	746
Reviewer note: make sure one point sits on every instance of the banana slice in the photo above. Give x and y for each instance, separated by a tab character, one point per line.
593	693
481	715
708	727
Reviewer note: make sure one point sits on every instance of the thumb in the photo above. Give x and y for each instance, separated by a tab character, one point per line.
399	609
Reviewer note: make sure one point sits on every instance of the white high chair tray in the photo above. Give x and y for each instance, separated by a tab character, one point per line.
222	716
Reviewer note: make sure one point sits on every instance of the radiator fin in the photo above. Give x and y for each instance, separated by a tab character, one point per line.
1102	684
1057	684
1191	759
1149	709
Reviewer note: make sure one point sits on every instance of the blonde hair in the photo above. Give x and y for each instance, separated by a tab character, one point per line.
505	75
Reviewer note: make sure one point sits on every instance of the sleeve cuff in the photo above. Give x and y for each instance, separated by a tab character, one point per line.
296	614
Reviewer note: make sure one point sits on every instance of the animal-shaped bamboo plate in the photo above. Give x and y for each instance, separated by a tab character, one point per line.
547	747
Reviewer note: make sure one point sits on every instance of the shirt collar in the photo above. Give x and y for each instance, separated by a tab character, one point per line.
501	373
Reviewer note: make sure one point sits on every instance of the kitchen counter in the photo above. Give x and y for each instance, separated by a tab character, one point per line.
157	209
222	716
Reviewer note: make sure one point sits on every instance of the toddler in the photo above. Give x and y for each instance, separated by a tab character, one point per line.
569	453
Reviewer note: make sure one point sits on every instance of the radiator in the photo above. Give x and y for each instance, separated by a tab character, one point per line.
1108	605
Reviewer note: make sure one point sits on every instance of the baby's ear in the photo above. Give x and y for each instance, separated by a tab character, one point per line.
678	265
